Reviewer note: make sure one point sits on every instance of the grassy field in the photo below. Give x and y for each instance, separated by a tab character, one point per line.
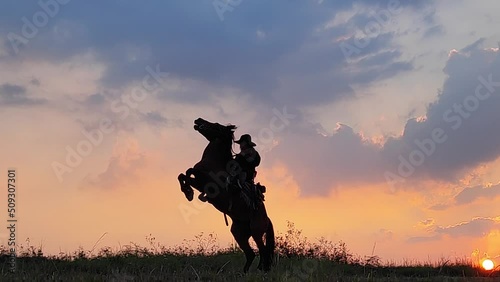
200	259
224	267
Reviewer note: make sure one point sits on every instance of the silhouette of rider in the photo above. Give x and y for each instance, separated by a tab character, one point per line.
248	158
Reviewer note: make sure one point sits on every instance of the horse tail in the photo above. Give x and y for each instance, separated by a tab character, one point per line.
270	241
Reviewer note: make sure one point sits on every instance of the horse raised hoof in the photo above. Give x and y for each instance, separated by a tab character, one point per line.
189	194
185	188
202	198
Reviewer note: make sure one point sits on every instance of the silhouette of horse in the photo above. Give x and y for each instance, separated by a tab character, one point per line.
210	176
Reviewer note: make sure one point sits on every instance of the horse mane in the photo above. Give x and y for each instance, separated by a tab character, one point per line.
232	127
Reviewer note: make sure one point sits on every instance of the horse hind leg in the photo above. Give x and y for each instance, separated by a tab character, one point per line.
249	254
242	240
264	263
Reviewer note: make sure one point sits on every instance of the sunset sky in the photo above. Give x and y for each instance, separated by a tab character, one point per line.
378	121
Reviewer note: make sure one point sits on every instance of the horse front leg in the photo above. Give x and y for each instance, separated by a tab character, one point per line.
189	172
185	186
194	181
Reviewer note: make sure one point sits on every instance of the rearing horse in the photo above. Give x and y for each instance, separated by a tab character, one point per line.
210	176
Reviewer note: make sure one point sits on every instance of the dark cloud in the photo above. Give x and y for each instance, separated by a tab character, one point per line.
95	100
35	82
12	90
156	118
323	162
430	25
430	17
469	195
441	146
375	45
15	95
477	227
381	72
188	40
380	58
436	30
465	119
474	46
326	69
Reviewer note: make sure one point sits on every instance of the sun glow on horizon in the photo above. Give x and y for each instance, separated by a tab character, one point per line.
488	264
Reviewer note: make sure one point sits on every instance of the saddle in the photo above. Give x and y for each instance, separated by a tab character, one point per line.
251	193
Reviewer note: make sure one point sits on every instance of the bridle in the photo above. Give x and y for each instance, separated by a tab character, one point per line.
220	130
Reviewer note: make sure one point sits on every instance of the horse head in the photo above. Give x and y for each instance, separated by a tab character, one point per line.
214	131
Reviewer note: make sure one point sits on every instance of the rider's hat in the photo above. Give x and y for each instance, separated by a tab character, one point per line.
246	139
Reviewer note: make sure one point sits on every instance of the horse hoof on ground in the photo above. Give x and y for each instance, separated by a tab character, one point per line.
261	267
